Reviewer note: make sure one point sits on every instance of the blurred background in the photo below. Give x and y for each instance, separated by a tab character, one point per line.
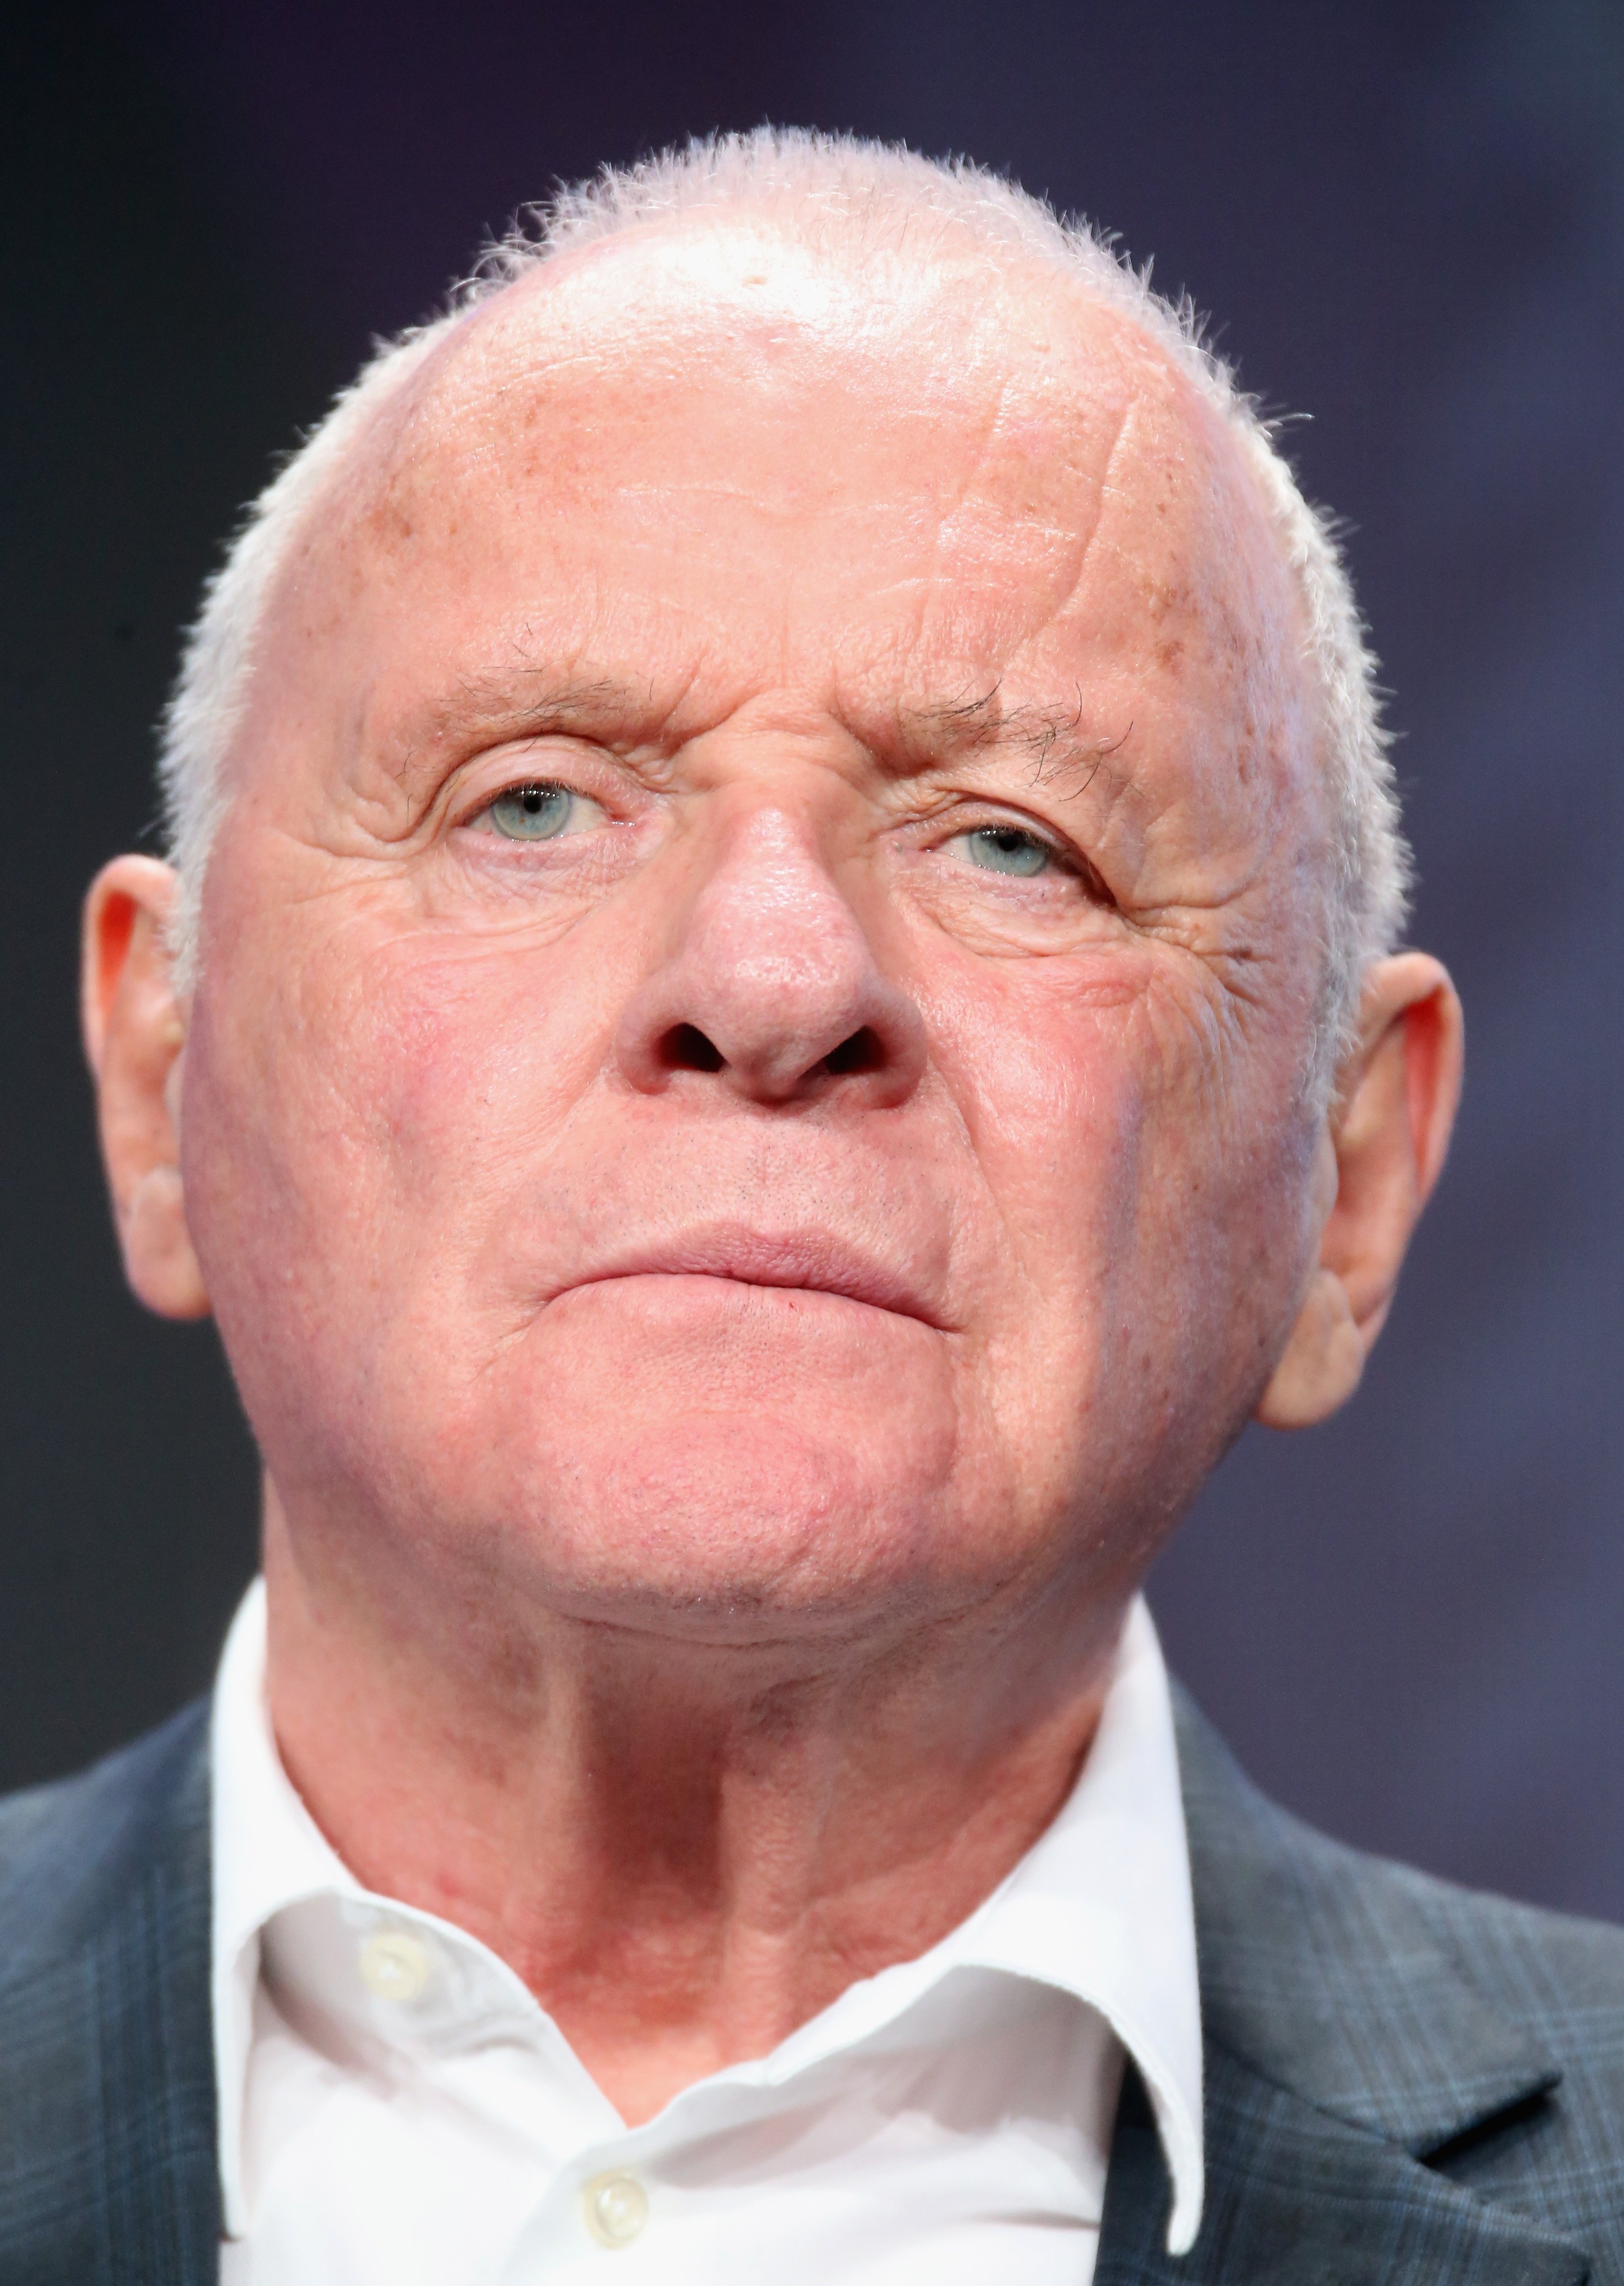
1409	222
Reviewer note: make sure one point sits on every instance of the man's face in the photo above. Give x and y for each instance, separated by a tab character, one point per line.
747	1070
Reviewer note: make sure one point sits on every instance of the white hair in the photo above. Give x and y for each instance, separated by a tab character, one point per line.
826	189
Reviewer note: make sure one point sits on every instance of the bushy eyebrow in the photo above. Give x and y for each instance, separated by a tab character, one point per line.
1052	739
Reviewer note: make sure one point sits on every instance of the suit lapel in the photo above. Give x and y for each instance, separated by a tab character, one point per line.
106	2062
1297	2198
1342	2047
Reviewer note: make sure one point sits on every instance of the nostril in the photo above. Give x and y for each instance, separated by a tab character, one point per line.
685	1048
863	1051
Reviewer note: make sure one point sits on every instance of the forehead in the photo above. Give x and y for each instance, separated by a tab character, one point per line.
782	461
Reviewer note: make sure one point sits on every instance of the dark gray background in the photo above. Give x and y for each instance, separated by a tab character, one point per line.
1409	220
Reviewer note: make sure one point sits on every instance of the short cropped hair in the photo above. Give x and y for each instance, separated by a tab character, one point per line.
854	198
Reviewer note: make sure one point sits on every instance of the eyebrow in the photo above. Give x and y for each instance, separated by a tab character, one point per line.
487	707
1051	739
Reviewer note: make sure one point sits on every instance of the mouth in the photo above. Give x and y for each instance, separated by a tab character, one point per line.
805	1261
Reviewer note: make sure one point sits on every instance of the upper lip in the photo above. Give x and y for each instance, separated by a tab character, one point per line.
819	1261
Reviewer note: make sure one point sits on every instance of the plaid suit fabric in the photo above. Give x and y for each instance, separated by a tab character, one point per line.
108	2165
1404	2081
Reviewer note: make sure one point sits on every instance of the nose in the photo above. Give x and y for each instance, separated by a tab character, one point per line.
772	991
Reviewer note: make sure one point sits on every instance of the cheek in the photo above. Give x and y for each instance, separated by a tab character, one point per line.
455	1060
459	1057
352	1123
1140	1167
1039	1058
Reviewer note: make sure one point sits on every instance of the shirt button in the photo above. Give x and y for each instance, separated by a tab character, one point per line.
394	1966
617	2207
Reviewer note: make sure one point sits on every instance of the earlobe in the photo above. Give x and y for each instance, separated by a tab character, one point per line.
158	1258
1323	1361
134	1037
1387	1138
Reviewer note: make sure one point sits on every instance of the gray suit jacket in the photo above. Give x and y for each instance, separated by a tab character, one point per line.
1404	2082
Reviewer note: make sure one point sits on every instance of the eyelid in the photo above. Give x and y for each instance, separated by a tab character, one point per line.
993	817
480	804
996	816
1061	848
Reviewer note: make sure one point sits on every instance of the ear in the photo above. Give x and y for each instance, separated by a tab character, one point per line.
1382	1150
135	1032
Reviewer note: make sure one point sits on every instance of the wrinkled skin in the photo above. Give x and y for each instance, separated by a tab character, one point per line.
770	1260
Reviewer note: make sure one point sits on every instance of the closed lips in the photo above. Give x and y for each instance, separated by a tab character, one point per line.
815	1262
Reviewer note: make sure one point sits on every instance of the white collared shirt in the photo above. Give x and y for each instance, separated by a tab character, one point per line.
397	2109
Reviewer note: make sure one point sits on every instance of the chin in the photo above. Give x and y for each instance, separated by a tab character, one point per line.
721	1521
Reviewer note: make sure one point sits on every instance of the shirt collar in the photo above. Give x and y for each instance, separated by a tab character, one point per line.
1099	1907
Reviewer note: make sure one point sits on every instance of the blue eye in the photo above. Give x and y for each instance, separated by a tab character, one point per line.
532	813
1007	850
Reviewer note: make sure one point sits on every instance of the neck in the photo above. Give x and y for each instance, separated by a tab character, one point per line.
686	1850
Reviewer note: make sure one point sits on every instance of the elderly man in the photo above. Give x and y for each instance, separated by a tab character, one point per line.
774	1018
